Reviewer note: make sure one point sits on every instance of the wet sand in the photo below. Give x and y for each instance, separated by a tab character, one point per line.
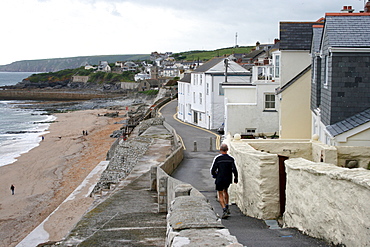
48	174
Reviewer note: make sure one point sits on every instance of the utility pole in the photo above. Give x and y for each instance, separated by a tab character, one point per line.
236	40
226	61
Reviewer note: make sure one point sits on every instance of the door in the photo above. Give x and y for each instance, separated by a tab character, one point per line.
195	117
282	183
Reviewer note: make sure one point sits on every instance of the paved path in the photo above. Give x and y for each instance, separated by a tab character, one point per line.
194	170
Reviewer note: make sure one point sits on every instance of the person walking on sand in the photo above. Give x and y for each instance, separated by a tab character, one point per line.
223	168
12	188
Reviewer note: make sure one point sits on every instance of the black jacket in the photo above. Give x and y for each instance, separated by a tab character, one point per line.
222	169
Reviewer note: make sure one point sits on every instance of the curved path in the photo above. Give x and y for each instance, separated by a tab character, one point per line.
194	170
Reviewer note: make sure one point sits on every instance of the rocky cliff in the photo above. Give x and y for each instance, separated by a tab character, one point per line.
56	64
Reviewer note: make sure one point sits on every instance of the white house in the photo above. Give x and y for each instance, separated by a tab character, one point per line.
201	96
141	76
251	108
104	67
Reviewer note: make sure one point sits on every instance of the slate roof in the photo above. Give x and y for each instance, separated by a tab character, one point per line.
208	65
316	39
349	123
348	30
251	56
186	78
296	35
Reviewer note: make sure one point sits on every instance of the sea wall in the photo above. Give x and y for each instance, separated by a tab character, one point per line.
328	202
11	94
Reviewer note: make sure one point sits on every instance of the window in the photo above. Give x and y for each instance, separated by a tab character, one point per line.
250	131
194	97
207	88
277	66
269	101
200	79
220	89
326	70
200	98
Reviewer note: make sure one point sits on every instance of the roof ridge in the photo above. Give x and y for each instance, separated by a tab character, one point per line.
347	14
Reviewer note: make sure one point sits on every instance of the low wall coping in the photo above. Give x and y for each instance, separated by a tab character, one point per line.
189	212
358	176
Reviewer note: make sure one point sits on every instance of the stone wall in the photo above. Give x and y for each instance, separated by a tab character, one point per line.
359	154
288	148
328	202
257	193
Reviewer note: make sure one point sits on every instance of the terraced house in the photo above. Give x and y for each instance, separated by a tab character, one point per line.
340	101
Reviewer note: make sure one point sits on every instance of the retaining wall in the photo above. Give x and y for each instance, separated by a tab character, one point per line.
328	202
191	219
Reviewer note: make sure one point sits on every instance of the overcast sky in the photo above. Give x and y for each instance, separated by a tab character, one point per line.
38	29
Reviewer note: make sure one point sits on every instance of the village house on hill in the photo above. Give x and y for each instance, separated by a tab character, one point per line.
104	67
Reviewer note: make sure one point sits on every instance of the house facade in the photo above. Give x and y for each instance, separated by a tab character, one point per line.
295	80
340	101
104	67
201	95
251	108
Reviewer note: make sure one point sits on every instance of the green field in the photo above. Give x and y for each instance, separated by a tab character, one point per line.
207	55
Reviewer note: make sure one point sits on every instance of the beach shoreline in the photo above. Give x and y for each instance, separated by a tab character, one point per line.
46	175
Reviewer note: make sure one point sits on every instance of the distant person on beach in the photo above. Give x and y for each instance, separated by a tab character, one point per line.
12	188
83	132
42	138
222	170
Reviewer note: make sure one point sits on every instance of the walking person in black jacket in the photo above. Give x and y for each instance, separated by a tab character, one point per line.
223	168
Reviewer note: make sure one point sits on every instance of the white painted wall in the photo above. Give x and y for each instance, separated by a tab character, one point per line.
328	202
184	102
245	109
322	200
257	192
292	63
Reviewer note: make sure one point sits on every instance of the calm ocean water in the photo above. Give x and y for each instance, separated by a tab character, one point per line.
12	78
20	129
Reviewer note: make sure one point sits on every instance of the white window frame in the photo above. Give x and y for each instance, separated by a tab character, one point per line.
221	91
268	101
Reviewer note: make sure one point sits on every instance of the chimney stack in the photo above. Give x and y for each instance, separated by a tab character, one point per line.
347	9
367	7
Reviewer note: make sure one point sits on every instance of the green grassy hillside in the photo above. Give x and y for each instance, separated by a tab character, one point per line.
207	55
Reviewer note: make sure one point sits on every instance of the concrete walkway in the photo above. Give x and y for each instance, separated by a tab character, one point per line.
194	170
128	216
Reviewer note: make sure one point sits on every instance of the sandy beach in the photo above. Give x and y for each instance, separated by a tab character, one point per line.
49	173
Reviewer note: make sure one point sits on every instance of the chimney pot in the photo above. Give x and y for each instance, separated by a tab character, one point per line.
367	7
347	9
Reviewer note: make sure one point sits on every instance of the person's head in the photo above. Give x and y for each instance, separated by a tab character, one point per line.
224	148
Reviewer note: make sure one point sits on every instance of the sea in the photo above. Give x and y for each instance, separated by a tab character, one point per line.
21	129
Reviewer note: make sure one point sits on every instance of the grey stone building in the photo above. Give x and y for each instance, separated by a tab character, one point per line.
340	89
